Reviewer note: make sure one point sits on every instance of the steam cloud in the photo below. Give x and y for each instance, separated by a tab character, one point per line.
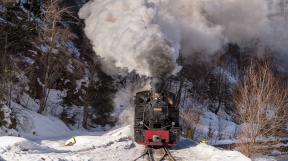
124	104
145	35
125	32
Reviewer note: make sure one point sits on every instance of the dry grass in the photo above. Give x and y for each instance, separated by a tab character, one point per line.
190	118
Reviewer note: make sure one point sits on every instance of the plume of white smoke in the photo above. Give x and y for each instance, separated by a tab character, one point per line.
246	20
126	33
145	35
276	38
195	32
241	20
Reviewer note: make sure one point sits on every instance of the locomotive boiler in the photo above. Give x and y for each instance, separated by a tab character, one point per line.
156	118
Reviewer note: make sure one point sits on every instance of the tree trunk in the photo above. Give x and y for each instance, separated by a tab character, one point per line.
85	117
45	86
42	103
219	105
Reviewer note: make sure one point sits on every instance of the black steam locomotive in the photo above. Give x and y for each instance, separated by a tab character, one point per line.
156	119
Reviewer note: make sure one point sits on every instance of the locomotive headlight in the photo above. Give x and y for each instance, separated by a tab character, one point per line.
173	123
141	123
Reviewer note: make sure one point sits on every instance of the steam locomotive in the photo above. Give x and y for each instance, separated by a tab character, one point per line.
156	119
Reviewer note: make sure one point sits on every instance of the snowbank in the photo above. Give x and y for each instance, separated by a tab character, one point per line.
88	141
31	124
204	152
7	141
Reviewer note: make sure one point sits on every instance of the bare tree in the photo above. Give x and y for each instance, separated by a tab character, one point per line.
51	34
261	100
190	119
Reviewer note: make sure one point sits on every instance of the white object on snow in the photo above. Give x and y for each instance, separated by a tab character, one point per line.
71	141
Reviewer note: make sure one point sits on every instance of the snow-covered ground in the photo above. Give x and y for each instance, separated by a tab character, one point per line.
113	145
43	138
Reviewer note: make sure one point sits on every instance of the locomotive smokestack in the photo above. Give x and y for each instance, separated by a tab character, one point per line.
158	85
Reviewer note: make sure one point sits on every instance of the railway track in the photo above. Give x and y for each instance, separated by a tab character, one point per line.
149	152
166	153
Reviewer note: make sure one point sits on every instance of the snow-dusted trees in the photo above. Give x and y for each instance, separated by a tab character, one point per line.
37	54
218	91
9	45
3	69
262	103
7	73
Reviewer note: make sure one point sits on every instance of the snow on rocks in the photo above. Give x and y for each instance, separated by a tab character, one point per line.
96	140
215	128
6	121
